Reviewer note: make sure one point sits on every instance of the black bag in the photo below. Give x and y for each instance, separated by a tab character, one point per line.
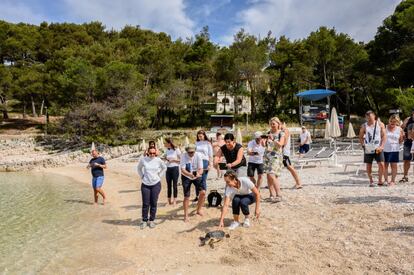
214	199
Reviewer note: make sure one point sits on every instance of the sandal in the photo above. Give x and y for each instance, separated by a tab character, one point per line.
371	184
403	180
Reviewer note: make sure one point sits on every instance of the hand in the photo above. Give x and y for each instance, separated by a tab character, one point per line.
97	164
221	225
229	165
257	215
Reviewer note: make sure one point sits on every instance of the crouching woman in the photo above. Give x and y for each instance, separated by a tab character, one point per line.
241	192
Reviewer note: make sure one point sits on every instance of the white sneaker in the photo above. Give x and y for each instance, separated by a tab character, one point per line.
234	225
246	223
143	225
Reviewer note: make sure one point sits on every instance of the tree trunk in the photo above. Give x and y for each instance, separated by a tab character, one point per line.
5	113
24	109
41	107
324	76
252	103
33	107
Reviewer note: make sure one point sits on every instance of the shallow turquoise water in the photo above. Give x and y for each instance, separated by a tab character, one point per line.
48	225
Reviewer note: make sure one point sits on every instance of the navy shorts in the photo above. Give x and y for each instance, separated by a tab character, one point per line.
369	158
303	149
407	150
286	161
392	157
187	185
251	167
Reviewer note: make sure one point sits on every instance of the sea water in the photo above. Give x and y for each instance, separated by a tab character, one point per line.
49	225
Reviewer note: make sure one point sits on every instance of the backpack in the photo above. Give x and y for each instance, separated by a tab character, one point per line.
214	199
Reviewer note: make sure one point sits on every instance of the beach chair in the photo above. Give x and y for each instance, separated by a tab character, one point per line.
310	156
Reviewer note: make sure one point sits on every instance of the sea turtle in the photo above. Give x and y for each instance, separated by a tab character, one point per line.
213	237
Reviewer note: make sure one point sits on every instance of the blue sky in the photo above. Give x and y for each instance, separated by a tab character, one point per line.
184	18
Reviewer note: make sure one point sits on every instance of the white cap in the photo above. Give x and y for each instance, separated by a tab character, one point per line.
258	134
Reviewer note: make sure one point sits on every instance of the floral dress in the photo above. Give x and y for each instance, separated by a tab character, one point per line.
273	156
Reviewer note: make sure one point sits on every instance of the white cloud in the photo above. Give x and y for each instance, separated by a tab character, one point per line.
159	15
297	18
17	12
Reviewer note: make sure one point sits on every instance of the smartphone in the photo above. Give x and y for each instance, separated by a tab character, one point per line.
223	166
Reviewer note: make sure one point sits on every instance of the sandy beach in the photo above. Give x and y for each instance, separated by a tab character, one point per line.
335	225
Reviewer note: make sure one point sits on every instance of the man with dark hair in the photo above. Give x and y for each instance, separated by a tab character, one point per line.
97	164
408	127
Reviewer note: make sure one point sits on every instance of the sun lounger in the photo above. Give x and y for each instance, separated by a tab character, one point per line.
322	155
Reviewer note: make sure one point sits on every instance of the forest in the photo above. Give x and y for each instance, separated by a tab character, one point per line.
109	84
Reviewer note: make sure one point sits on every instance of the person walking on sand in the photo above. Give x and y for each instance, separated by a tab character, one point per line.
407	126
372	137
241	192
97	165
273	158
204	148
172	157
216	146
305	141
255	151
191	173
150	169
232	152
286	157
395	137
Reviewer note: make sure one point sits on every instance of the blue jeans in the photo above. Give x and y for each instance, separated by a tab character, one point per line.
171	176
242	202
150	195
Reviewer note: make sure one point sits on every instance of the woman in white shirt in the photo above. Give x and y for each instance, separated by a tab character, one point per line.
241	192
205	149
395	137
150	170
172	157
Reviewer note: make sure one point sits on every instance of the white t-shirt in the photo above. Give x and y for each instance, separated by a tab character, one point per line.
172	154
392	143
194	163
205	149
254	147
246	186
151	170
305	136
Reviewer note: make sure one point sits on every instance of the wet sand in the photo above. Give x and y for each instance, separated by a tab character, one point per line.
335	225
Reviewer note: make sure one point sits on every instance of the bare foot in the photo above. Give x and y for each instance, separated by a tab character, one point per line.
186	219
200	213
391	183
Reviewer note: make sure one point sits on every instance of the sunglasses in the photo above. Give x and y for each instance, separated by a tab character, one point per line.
152	154
192	152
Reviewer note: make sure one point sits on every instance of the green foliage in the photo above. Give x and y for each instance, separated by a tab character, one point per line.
109	85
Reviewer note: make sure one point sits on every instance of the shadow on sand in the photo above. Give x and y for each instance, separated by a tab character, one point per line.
371	199
79	201
404	230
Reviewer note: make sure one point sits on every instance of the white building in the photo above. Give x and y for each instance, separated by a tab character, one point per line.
224	100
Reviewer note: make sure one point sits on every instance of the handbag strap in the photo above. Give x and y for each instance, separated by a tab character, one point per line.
375	131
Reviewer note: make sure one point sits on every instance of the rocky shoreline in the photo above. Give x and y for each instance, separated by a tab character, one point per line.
29	153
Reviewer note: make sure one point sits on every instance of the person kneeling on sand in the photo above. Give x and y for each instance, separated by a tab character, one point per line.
150	170
97	164
191	172
241	192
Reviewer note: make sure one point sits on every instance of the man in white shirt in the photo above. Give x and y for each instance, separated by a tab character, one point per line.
191	165
255	151
305	140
